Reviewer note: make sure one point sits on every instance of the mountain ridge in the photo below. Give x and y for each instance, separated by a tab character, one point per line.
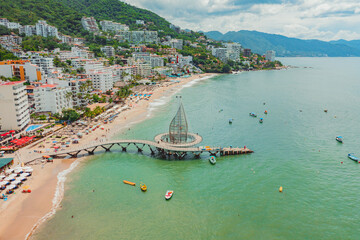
287	47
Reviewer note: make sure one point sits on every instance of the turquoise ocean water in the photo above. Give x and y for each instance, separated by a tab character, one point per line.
237	198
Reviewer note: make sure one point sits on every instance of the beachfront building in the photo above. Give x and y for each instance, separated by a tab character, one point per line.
123	73
270	55
22	69
14	108
162	71
145	57
101	80
108	26
80	89
109	51
233	51
89	24
220	53
52	98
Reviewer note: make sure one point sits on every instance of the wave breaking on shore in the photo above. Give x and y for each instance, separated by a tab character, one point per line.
58	196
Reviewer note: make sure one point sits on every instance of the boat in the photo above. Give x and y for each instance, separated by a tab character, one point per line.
265	112
339	139
143	187
212	160
230	120
130	183
325	110
252	114
352	157
261	120
169	194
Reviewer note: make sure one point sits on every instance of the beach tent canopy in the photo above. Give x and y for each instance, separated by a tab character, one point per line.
5	161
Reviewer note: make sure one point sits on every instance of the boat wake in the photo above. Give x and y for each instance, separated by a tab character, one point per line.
58	196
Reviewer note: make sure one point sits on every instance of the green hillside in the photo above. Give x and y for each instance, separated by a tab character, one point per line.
118	11
28	12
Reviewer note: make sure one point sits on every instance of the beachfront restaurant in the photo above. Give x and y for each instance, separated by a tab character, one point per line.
5	162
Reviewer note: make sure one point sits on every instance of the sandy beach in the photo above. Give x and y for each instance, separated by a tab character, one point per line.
23	213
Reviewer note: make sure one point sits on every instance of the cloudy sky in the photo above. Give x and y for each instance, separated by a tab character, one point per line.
305	19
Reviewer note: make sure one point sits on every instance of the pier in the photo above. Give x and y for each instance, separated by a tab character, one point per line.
175	144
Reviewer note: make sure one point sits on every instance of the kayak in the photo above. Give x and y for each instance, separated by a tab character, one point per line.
169	194
143	187
130	183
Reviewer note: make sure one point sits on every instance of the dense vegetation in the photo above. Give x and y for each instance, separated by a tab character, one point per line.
6	55
37	43
28	12
118	11
5	31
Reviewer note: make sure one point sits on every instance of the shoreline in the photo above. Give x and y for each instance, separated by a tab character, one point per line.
31	210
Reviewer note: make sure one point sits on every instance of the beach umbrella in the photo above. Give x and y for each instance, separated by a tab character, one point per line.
54	141
17	182
9	171
12	131
3	183
26	187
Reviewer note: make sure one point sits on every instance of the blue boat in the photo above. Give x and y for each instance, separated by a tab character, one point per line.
352	157
339	139
252	114
261	120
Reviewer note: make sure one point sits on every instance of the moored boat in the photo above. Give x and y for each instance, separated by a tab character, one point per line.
169	194
143	187
261	120
252	114
339	139
266	112
230	120
212	160
352	157
130	183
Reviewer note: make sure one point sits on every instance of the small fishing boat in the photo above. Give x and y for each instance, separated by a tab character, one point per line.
265	112
130	183
261	120
325	110
230	120
169	194
339	139
143	187
352	157
252	114
212	160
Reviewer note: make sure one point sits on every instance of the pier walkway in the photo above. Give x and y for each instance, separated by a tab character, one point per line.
162	149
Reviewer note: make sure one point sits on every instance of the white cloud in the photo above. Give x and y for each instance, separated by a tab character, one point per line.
306	19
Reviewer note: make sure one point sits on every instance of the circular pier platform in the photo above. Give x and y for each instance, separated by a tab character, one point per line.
196	139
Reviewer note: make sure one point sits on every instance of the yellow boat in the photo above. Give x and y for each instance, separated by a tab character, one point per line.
143	187
130	183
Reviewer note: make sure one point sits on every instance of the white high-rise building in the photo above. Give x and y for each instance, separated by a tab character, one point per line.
109	51
14	108
113	26
102	80
45	30
52	98
270	55
90	24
